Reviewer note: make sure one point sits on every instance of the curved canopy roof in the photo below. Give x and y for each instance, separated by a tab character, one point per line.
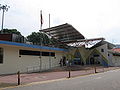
65	33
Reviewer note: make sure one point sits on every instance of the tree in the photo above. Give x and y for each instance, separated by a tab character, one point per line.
38	38
11	31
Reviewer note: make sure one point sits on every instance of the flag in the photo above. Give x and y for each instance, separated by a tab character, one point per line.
41	18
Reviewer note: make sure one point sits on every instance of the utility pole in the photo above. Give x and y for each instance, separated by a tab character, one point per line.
4	8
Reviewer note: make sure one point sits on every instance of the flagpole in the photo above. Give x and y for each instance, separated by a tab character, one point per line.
49	20
49	45
41	22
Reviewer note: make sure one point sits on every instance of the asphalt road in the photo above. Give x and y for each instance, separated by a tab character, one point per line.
102	81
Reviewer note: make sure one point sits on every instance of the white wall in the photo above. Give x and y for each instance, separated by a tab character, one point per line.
13	63
110	58
105	53
10	58
116	61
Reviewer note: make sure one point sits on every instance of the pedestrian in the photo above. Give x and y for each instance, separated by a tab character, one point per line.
64	61
67	62
61	61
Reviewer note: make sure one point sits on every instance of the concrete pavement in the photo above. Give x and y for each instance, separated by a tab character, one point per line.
102	81
11	80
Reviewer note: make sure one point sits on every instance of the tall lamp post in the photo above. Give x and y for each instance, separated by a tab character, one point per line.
4	8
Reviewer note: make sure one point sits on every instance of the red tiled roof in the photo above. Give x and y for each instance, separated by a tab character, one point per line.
116	49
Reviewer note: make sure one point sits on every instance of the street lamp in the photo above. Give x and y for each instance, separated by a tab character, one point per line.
4	8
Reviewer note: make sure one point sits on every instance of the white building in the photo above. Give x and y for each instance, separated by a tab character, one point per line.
97	54
21	57
114	57
27	58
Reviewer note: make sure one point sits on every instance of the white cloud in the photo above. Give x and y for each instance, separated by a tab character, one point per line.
93	18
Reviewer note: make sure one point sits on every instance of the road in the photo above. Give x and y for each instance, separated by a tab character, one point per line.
101	81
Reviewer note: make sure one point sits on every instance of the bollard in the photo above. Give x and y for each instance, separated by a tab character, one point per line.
69	70
69	73
95	69
18	77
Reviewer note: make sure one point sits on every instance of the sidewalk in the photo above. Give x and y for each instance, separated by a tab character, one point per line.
11	80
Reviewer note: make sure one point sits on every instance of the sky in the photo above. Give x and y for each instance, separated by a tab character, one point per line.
92	18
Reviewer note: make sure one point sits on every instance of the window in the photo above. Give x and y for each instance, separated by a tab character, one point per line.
28	52
102	50
36	53
48	54
52	54
96	55
1	55
45	53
